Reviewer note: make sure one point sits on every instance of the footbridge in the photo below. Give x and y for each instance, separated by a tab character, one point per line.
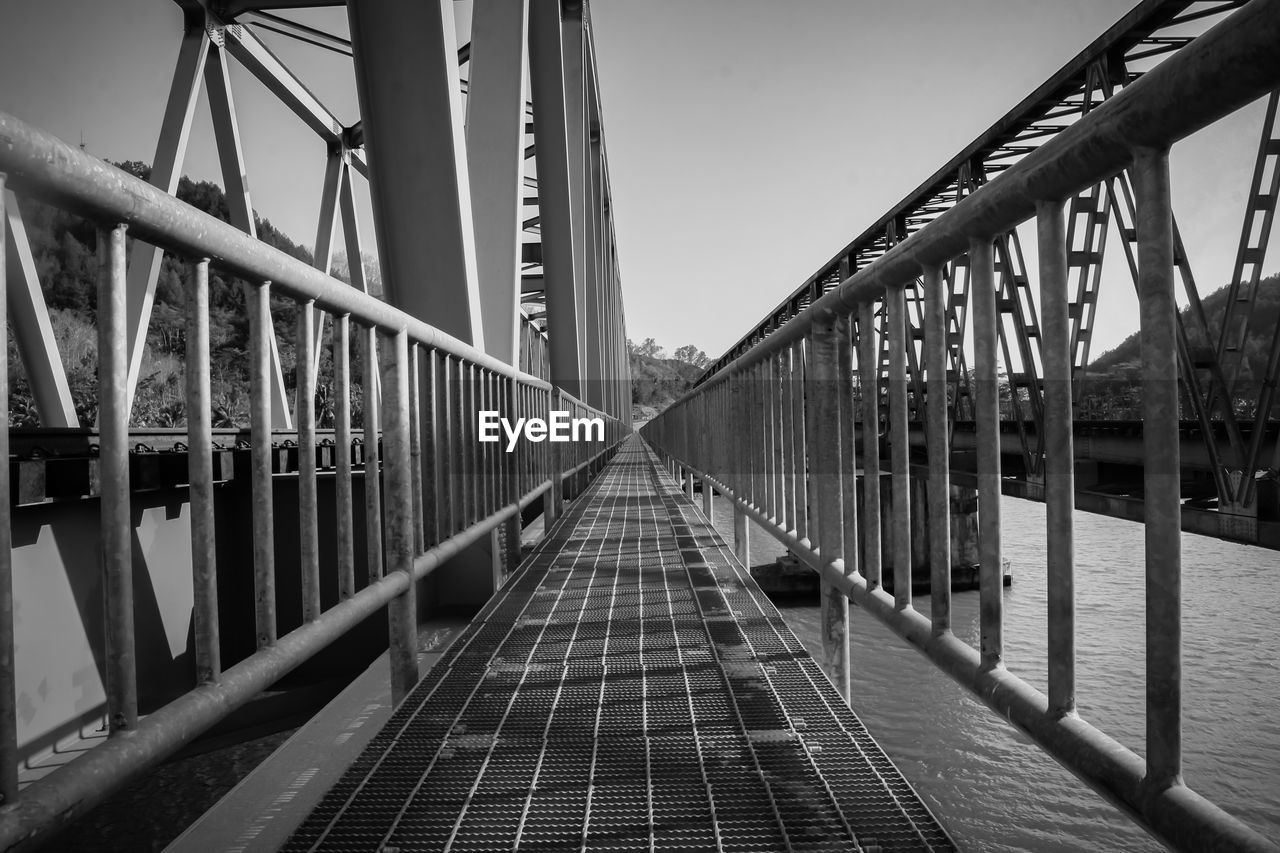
332	480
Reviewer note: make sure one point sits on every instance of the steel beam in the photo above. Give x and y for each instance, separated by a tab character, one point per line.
406	58
166	168
561	218
32	330
235	182
495	155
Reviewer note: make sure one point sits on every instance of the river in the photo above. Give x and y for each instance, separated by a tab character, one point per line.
990	785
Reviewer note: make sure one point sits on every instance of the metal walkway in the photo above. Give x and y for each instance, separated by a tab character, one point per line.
629	689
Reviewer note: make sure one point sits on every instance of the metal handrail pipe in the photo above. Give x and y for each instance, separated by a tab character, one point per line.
1226	68
40	165
1176	814
52	802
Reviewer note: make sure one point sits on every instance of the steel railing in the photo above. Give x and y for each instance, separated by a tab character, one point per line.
441	489
783	444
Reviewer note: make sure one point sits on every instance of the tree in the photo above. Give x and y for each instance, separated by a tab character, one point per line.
690	354
648	349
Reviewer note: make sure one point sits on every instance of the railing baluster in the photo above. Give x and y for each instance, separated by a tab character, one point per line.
345	512
457	448
987	417
204	565
828	503
8	703
466	448
798	488
786	472
308	497
899	452
1059	485
448	448
401	610
774	427
755	420
415	451
1162	497
939	497
113	455
430	449
810	456
258	298
372	474
848	464
868	370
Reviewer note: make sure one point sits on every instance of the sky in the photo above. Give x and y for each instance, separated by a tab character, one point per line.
748	140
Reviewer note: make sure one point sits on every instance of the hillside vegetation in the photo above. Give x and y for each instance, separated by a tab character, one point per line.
1111	387
64	247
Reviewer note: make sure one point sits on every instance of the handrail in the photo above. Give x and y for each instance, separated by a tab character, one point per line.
432	485
40	165
785	447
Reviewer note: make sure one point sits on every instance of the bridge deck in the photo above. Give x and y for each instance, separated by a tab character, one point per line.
629	689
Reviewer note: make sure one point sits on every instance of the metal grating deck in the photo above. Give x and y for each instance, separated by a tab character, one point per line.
630	688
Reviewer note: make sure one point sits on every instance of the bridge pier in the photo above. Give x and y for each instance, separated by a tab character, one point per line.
963	507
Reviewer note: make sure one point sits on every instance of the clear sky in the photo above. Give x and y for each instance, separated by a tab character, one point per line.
749	140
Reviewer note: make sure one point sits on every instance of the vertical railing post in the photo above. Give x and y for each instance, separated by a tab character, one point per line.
799	439
258	297
204	566
741	537
810	457
551	503
895	304
820	389
372	473
8	702
936	426
786	471
1059	461
987	417
415	451
778	429
868	379
401	610
452	482
429	448
345	514
1161	467
848	481
113	441
308	497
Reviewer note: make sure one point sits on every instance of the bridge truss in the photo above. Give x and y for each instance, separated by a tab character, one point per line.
1227	412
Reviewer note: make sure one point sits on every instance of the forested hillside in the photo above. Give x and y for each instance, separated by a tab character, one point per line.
64	247
658	381
1113	378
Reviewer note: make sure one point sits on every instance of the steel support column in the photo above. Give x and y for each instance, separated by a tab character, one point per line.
32	330
406	59
560	218
495	160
